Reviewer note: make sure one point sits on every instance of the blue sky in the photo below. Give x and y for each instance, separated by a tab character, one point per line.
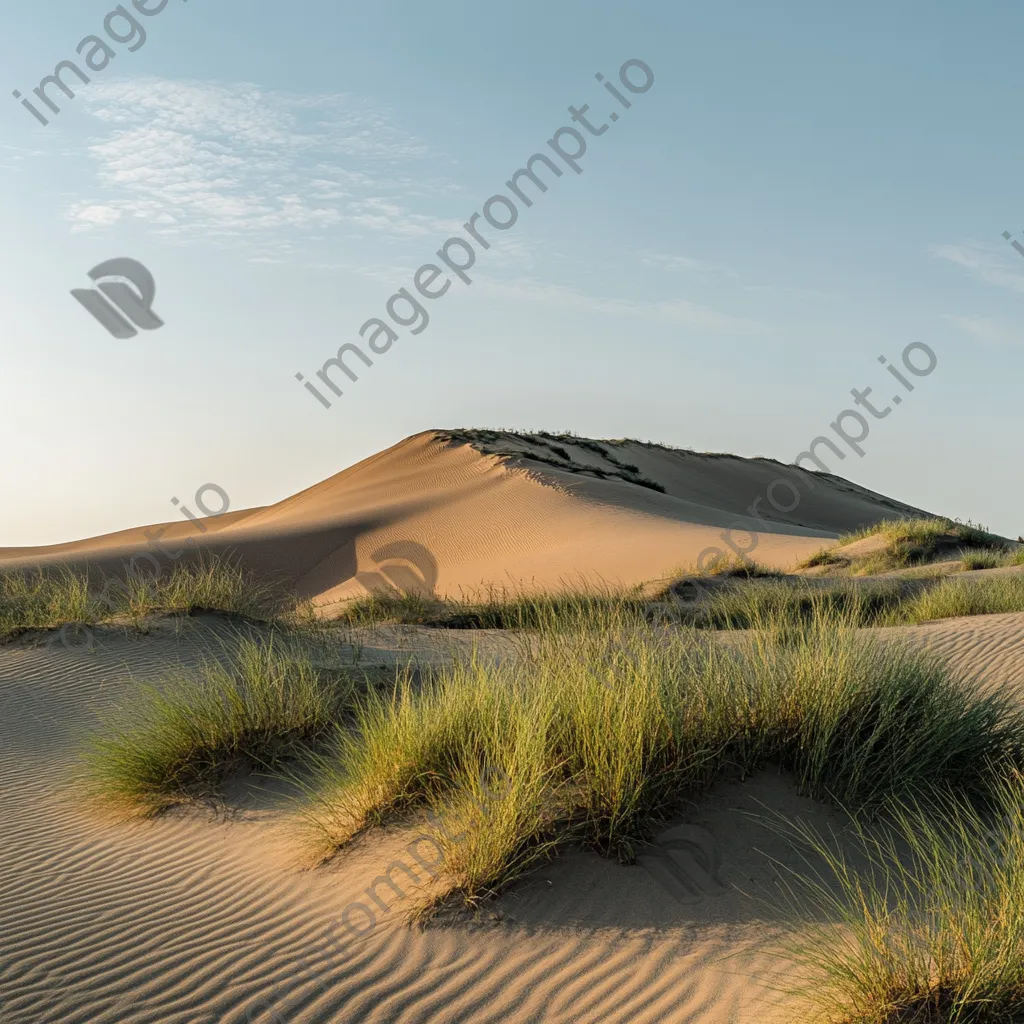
804	188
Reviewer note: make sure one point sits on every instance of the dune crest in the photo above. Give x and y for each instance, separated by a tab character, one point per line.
457	512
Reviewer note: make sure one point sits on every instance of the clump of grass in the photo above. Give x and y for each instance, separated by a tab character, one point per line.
928	927
45	599
972	560
42	600
254	709
495	609
737	567
913	541
826	556
213	584
955	596
608	730
797	602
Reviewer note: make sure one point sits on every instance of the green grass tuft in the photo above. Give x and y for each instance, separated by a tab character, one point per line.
41	600
925	925
255	708
607	731
956	596
46	599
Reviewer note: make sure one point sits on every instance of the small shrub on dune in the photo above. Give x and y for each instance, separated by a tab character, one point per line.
927	926
253	709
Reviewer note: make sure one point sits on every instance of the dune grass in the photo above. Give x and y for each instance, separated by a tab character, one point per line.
955	596
495	609
46	599
824	556
606	732
256	706
216	584
971	560
927	927
928	531
992	559
914	542
734	567
795	602
39	600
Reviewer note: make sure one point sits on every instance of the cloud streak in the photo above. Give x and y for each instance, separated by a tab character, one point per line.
229	163
997	265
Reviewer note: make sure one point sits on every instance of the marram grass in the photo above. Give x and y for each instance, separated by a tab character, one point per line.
253	708
924	924
608	731
48	598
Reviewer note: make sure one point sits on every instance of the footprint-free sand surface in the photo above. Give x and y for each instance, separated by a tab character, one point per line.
211	916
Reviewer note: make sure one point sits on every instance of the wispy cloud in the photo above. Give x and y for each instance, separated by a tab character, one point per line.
227	163
989	331
991	263
677	264
676	311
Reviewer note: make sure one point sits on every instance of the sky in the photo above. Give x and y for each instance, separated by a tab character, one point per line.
801	189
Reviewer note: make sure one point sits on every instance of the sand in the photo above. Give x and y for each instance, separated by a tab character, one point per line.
209	916
440	516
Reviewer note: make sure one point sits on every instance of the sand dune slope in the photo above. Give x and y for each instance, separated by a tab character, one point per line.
451	513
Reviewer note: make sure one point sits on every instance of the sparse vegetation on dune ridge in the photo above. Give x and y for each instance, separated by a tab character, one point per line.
603	733
254	705
908	542
48	598
741	598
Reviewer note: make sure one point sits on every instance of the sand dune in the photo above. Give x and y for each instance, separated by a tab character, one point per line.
443	514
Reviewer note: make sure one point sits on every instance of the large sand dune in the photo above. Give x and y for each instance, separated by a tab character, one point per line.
454	513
